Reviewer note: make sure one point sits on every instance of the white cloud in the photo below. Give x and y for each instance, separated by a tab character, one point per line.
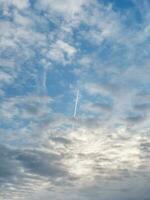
23	4
22	20
96	89
59	49
66	7
5	77
66	47
7	4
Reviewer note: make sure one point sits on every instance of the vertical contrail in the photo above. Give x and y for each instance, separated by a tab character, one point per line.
44	81
76	104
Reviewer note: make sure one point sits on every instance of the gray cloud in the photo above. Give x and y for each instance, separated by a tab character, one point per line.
137	118
142	106
41	163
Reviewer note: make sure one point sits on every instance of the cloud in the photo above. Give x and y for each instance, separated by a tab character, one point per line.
144	106
135	118
96	107
28	106
61	52
9	167
49	49
94	89
24	4
7	6
19	168
66	7
41	163
80	157
5	77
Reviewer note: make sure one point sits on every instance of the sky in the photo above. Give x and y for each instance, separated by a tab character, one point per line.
74	99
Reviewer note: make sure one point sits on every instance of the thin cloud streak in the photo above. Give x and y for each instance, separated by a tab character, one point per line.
76	103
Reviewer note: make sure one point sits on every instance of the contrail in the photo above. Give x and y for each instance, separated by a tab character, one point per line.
76	104
44	81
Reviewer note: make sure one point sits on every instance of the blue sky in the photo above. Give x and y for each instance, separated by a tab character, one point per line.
74	99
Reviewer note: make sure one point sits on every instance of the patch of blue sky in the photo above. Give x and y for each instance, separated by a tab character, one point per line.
23	85
133	18
123	4
115	53
60	83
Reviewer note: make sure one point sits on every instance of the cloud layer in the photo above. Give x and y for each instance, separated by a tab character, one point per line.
48	51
